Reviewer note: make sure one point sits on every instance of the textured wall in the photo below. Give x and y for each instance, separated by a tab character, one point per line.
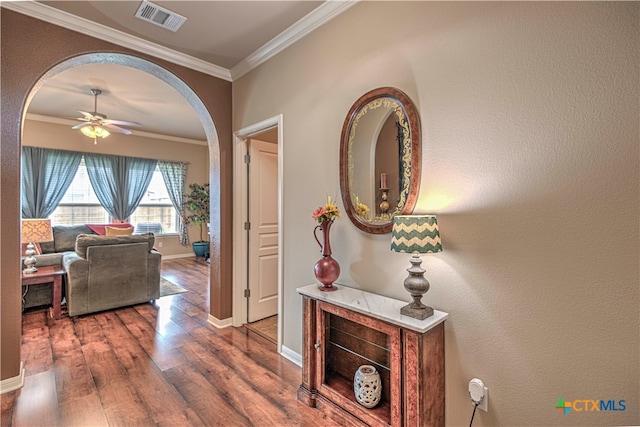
31	47
530	159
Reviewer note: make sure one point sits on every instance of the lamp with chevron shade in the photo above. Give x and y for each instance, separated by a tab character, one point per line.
416	234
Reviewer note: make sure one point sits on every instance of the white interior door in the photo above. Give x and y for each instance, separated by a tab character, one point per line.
263	230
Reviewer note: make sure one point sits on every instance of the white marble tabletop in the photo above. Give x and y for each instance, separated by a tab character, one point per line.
378	306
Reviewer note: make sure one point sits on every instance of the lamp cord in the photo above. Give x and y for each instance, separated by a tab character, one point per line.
475	406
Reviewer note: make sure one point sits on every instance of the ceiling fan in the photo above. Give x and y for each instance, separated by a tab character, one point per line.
96	125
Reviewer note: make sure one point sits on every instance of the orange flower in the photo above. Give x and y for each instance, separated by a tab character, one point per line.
318	213
328	212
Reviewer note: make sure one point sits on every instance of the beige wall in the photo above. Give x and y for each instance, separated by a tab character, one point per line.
62	137
530	136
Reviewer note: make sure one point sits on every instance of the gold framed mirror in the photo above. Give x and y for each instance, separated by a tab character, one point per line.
380	151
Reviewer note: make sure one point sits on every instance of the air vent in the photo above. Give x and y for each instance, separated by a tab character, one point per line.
160	16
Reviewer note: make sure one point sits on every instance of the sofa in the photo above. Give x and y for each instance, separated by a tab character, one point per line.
103	272
51	253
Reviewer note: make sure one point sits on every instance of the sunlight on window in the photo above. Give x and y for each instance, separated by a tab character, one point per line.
80	205
155	214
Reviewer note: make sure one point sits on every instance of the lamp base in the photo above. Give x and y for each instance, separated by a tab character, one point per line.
30	260
30	270
420	313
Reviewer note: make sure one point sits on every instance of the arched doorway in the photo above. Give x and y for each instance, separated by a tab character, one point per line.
184	90
34	49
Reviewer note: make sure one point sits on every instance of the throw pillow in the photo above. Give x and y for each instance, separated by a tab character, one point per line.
117	231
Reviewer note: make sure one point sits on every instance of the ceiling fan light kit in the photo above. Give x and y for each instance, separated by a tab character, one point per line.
95	132
96	125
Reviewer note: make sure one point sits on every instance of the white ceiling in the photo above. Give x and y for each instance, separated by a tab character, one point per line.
219	32
127	94
222	38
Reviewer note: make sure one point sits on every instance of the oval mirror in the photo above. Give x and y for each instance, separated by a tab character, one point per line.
380	159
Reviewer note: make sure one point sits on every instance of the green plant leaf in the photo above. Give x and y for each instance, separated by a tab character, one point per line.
197	204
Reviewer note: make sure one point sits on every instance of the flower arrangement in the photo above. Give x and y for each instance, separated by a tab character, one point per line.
361	209
328	212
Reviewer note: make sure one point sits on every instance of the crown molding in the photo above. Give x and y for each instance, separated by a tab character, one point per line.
102	32
136	132
314	19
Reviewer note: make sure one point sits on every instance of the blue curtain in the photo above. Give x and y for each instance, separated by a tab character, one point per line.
119	182
174	175
46	176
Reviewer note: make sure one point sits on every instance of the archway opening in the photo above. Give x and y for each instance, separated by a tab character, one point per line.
191	98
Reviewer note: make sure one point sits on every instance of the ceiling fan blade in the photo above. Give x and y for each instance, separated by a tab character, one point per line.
87	116
100	119
122	122
117	129
81	125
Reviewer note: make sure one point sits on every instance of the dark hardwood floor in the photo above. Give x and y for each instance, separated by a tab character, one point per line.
154	364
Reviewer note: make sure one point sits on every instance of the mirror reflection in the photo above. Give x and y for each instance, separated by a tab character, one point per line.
381	128
380	141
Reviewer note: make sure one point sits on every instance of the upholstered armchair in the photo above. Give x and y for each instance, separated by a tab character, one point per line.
107	272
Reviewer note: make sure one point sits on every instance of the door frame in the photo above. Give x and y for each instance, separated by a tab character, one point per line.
241	211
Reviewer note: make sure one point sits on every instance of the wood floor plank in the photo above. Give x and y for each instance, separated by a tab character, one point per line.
8	402
163	329
164	354
120	401
73	377
162	400
258	349
151	313
192	310
264	381
36	347
155	364
212	408
38	402
87	329
258	410
82	412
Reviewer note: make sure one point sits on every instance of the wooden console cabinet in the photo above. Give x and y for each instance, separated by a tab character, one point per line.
349	328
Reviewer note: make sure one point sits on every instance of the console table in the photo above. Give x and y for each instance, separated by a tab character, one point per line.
49	274
348	328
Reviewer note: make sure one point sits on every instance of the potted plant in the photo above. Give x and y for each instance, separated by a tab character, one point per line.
197	205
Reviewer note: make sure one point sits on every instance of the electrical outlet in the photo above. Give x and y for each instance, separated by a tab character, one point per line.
485	402
160	244
479	393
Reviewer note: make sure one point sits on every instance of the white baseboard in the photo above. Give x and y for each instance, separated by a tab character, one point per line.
176	256
291	355
224	323
11	384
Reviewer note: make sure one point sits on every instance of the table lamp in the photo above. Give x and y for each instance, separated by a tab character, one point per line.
34	230
416	234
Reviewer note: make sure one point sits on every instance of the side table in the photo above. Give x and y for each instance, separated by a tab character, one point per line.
50	274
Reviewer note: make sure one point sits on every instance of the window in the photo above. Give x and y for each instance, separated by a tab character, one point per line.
155	213
80	205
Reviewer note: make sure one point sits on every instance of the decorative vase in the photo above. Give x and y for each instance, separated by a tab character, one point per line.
327	269
200	249
367	386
